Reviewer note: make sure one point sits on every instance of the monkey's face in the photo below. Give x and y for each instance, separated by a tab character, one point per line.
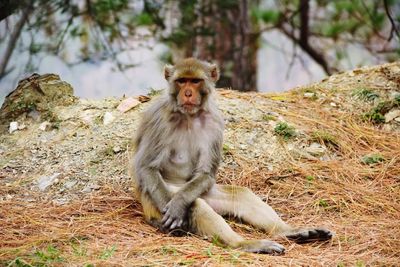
191	81
190	92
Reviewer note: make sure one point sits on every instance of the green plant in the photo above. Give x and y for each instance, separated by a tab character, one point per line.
397	99
18	262
226	149
107	253
284	130
216	241
208	251
310	178
51	117
167	250
365	94
108	151
372	159
79	250
374	116
322	203
47	256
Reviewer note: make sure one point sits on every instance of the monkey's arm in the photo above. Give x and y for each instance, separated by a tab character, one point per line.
152	182
149	154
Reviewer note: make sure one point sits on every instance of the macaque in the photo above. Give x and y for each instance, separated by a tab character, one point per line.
177	154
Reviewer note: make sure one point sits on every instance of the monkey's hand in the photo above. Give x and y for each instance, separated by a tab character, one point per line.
175	214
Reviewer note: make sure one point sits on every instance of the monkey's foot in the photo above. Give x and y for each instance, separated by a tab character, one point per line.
309	235
262	246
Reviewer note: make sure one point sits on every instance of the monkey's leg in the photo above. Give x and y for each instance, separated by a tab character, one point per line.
241	202
151	214
205	221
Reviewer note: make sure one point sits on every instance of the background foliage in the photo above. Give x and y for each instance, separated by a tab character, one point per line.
225	31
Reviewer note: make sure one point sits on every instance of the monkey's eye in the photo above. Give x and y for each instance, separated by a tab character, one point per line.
180	80
196	81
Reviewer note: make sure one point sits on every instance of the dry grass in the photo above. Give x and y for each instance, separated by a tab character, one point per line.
359	202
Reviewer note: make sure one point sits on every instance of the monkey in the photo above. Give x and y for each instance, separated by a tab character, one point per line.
176	157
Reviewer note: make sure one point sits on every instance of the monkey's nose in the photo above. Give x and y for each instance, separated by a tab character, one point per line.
188	93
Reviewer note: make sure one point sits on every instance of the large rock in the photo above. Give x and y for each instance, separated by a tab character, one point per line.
36	94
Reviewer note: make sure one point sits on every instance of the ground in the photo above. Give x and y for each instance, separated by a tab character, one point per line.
327	154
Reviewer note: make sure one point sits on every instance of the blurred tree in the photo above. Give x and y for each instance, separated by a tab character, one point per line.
101	26
15	33
227	31
220	31
320	26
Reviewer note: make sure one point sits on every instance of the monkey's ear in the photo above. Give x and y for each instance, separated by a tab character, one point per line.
168	69
214	72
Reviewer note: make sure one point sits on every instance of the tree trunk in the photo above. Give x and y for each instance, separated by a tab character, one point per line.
223	35
13	39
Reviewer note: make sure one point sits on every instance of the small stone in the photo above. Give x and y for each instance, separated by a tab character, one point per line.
61	201
34	114
333	104
45	181
95	186
13	127
387	127
127	104
272	113
117	149
90	187
316	149
394	94
70	184
397	119
108	118
391	115
309	95
43	126
88	116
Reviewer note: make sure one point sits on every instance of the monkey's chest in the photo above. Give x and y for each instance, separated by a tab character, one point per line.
180	157
179	166
185	148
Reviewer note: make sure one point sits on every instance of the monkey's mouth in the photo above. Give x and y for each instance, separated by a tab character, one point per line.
190	107
189	104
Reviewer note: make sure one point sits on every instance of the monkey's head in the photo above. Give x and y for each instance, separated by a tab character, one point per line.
191	82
